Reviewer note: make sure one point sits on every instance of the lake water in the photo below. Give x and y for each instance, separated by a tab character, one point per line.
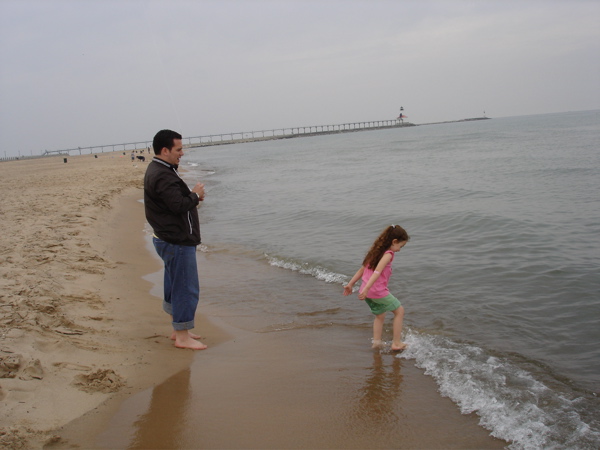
500	280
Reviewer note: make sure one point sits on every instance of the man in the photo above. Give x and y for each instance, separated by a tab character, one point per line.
171	211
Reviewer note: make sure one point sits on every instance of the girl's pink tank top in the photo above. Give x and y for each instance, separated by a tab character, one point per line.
380	288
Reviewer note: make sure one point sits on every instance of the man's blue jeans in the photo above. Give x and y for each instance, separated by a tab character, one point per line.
181	285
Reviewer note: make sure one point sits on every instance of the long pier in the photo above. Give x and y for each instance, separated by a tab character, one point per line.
239	137
230	138
286	133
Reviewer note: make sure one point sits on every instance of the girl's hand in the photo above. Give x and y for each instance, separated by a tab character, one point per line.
362	295
347	290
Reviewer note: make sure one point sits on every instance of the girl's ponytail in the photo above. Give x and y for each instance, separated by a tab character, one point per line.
383	243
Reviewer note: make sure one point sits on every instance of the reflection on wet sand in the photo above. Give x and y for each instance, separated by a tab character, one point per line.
161	427
290	390
376	407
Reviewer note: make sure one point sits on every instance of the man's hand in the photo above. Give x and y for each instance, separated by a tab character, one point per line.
199	189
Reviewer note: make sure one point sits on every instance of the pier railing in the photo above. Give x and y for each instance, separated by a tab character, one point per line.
283	133
231	138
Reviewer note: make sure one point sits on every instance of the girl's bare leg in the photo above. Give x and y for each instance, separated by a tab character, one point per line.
397	343
378	330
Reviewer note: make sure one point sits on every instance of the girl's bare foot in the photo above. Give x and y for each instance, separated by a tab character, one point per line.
192	335
377	343
399	347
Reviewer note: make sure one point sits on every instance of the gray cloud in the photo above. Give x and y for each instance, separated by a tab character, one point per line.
80	73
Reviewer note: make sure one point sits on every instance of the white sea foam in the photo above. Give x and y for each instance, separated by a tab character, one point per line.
510	402
318	272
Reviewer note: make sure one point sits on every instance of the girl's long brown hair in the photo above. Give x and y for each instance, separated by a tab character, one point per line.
383	243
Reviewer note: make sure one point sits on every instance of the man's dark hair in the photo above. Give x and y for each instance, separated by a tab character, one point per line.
164	138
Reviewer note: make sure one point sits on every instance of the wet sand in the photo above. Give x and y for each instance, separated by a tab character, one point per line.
87	363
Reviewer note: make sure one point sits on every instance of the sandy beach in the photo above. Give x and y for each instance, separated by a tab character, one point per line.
77	326
86	362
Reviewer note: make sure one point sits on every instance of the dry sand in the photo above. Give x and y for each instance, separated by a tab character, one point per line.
77	324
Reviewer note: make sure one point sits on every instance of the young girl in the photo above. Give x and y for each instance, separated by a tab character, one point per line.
375	272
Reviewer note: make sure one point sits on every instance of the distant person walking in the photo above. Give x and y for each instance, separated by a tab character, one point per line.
171	211
375	274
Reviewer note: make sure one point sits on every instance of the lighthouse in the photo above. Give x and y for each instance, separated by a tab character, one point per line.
401	117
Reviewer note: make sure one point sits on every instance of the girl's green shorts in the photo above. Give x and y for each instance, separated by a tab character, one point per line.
384	304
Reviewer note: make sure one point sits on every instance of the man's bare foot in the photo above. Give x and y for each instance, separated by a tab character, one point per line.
399	347
377	343
184	339
192	335
191	344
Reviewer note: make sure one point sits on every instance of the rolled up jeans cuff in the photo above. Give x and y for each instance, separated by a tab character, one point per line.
177	326
180	326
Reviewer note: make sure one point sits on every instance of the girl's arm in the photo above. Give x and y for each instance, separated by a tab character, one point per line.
385	259
355	278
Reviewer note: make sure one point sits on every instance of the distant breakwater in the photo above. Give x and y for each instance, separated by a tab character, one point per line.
288	133
319	130
241	137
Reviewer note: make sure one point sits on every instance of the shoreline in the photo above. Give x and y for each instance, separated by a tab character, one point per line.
303	387
76	286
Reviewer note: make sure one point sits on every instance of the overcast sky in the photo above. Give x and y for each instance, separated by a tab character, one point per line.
94	72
